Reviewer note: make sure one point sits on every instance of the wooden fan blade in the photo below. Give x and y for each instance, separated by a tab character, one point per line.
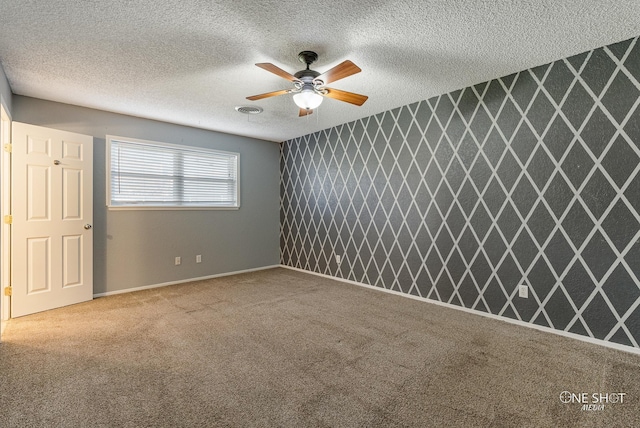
305	112
340	71
278	71
345	96
268	94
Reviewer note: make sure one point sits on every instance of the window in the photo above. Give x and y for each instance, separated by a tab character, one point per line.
146	174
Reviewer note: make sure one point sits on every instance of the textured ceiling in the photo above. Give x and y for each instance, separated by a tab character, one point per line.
191	62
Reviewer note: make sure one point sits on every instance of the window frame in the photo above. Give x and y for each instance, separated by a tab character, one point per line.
182	147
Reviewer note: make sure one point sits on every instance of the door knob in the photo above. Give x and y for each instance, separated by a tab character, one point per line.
87	226
56	162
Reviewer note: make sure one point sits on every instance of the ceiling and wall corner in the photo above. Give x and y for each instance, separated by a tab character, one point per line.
5	91
529	179
191	62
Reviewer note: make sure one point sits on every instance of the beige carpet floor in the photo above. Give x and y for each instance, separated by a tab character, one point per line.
280	348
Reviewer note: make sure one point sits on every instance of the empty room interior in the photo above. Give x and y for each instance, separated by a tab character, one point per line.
320	214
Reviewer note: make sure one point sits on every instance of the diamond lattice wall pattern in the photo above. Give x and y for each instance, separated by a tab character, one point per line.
531	179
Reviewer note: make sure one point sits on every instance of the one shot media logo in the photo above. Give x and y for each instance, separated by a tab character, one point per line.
594	401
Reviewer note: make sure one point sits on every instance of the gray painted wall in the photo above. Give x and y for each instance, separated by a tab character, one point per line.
137	248
533	178
5	90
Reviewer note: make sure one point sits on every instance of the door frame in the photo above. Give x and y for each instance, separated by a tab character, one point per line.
5	209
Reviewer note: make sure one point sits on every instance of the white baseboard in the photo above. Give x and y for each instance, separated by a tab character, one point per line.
591	340
182	281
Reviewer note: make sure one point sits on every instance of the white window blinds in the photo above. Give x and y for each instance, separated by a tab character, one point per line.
150	174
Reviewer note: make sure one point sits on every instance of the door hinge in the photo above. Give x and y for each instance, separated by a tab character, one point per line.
8	148
8	291
8	219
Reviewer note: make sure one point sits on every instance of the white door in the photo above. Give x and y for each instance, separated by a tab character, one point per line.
52	208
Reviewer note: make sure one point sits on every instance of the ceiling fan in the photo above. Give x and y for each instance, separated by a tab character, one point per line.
309	85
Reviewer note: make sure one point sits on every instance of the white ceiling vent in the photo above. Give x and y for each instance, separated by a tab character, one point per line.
249	109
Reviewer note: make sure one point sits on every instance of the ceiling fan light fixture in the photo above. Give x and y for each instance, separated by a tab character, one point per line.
307	99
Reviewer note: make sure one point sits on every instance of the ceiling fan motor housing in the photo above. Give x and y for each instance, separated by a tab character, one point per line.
307	74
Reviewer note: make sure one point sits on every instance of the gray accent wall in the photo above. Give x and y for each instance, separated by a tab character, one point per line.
137	248
530	179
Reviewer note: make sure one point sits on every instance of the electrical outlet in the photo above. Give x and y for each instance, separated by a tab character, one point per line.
523	291
338	258
198	258
178	261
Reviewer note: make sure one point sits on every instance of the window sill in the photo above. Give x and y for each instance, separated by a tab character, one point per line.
174	208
